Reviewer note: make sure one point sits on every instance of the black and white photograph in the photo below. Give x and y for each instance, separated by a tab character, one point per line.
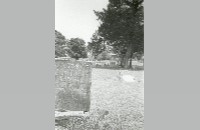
99	61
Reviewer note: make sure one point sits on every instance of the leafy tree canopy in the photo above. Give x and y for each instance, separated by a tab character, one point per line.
60	45
77	48
122	26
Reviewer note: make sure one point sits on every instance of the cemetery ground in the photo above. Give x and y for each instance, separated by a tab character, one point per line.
115	103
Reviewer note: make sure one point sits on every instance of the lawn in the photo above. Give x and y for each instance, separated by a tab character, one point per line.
115	103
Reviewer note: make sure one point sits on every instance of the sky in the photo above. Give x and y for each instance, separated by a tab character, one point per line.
75	18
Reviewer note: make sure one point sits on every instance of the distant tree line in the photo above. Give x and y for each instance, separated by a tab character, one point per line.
74	48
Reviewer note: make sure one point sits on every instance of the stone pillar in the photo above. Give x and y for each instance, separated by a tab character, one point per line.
72	84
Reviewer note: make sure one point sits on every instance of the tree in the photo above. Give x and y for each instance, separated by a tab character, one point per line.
77	48
97	45
60	45
122	27
104	56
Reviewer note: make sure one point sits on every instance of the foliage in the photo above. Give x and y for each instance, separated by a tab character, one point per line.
122	27
74	48
97	45
77	48
104	56
60	45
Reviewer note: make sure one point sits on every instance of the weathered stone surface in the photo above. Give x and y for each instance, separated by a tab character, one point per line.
72	83
105	64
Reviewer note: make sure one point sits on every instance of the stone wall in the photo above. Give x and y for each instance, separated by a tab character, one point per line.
105	64
72	84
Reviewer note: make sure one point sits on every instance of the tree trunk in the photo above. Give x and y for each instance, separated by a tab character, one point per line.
143	61
130	65
121	62
127	56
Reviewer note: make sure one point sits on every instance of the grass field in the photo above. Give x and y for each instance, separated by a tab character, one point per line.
124	101
115	104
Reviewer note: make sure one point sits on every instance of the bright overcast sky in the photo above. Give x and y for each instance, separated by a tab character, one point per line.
75	18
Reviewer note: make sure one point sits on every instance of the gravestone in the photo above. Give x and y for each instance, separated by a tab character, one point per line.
72	84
